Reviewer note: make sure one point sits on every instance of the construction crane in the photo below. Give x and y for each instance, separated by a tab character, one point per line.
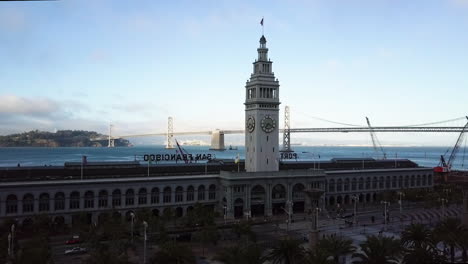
446	167
375	142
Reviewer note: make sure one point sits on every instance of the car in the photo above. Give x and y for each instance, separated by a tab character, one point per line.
75	250
73	240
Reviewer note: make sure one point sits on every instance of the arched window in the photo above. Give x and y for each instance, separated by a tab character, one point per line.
387	182
331	185
381	182
59	201
28	203
346	185
212	192
89	199
339	185
116	198
179	195
142	196
394	181
406	181
361	183
11	204
424	180
418	180
412	180
167	195
374	183
155	195
190	193
129	197
103	197
75	200
44	200
201	193
400	181
353	184
278	192
368	183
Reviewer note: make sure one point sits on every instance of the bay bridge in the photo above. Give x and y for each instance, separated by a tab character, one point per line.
217	135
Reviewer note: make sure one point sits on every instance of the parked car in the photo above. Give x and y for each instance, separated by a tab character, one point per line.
75	250
73	240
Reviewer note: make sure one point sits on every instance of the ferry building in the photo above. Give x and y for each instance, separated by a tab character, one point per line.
260	186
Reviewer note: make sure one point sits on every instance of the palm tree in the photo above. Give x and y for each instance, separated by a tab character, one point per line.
378	250
450	232
288	251
248	254
419	245
336	246
173	253
316	256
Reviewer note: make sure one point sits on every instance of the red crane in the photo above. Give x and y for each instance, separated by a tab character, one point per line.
446	167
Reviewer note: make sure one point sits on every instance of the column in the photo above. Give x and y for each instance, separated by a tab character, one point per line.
268	204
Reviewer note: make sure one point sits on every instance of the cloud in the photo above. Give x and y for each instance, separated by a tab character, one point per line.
12	104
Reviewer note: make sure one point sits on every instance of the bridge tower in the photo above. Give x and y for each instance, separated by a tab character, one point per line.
286	132
261	115
111	143
170	133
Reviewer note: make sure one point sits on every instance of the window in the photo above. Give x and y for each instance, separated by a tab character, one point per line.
75	200
102	202
28	203
201	192
129	197
59	202
89	199
167	195
155	195
142	196
116	198
179	195
11	204
44	202
212	192
190	193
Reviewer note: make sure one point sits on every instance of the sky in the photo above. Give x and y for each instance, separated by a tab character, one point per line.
82	64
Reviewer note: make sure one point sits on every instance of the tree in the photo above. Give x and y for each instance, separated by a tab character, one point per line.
208	234
336	246
241	253
450	232
378	250
288	251
35	250
103	254
243	228
316	256
173	253
419	245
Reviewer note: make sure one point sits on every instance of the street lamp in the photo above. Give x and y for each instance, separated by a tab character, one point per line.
145	226
355	199
225	214
289	205
443	201
385	203
400	194
132	215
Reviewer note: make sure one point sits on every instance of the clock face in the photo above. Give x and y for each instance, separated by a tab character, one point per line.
268	124
251	124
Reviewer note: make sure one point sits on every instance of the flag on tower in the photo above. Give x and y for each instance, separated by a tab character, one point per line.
261	22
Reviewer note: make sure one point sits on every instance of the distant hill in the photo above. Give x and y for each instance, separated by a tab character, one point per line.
62	138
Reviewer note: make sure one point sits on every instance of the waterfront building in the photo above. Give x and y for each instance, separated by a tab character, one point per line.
261	186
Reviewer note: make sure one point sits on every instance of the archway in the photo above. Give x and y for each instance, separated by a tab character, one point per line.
238	208
179	212
257	201
278	195
298	198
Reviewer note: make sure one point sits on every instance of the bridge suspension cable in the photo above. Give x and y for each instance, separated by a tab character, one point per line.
329	121
438	122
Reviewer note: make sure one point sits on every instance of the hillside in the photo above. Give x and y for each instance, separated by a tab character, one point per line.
62	138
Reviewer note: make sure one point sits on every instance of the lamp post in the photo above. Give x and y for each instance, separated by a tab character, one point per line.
289	205
385	203
443	201
132	215
145	226
225	214
355	199
401	194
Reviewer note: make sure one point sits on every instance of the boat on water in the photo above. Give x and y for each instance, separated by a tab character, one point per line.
232	148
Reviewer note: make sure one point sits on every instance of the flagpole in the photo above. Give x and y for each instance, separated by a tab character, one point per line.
262	26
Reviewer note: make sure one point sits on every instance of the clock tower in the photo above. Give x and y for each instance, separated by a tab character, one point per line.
261	115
